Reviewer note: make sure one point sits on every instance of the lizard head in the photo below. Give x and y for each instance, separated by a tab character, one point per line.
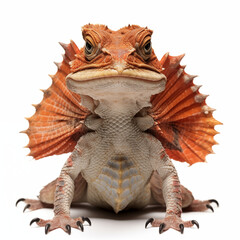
116	63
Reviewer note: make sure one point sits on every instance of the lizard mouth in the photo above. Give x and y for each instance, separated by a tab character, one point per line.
92	74
100	83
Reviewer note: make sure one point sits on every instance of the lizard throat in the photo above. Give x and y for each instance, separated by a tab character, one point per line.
117	87
116	95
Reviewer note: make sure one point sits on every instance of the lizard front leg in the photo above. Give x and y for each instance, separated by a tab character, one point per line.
63	197
171	190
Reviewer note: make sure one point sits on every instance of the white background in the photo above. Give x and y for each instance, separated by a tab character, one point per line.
207	31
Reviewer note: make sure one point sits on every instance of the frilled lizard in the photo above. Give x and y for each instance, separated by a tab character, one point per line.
122	114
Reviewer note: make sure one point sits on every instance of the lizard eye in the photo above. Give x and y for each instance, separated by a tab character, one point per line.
91	49
145	49
88	48
148	47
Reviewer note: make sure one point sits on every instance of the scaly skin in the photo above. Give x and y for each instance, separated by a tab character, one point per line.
108	180
122	164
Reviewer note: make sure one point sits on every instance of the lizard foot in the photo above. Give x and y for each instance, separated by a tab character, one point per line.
64	222
171	221
33	204
200	206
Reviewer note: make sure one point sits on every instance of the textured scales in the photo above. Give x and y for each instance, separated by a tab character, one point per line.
122	114
117	176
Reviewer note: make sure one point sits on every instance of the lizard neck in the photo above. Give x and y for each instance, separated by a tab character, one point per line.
113	112
125	107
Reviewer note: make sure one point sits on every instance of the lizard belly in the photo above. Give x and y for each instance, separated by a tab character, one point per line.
119	182
122	178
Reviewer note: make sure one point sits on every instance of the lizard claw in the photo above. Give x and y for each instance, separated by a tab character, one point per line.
87	220
194	222
47	226
214	201
210	207
65	222
161	227
34	220
150	220
32	204
68	227
172	221
20	200
200	206
26	207
80	225
181	226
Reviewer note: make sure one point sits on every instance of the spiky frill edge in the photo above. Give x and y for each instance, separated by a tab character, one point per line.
58	122
183	122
